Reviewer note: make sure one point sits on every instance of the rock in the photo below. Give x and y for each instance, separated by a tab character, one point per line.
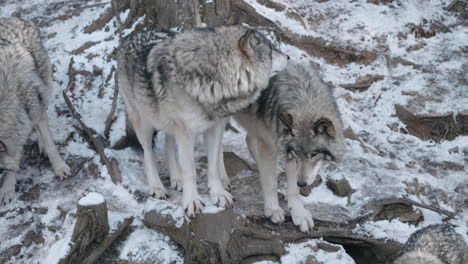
363	83
31	237
31	195
453	150
339	187
233	163
14	251
305	191
435	127
388	209
328	247
411	164
311	260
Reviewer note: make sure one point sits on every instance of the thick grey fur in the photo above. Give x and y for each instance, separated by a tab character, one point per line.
297	119
197	79
25	92
435	244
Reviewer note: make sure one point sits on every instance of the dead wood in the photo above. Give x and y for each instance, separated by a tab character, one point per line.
110	117
112	166
90	231
107	242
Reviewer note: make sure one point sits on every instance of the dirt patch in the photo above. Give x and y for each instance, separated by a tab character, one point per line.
435	127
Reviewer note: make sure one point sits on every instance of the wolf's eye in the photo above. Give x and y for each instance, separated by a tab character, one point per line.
2	170
311	155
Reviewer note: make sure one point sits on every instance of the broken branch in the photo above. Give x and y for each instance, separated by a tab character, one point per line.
112	168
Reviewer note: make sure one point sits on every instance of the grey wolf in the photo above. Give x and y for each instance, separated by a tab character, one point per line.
434	244
197	79
295	118
25	92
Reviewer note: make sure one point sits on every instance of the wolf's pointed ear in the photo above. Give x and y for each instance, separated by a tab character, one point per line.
324	127
287	119
6	161
247	43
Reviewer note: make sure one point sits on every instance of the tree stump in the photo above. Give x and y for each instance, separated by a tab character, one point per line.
91	228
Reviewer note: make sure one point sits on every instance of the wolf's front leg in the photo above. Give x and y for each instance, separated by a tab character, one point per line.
213	140
190	199
300	216
45	138
173	163
266	161
144	134
7	187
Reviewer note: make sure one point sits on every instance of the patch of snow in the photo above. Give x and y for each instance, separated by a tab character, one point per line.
92	198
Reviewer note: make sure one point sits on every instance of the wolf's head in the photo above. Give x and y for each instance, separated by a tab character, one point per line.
307	143
7	163
308	122
258	49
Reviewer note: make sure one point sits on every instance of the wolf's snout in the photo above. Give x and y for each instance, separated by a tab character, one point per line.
301	184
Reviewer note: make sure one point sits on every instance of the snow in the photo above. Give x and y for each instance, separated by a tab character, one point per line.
385	29
298	252
146	245
92	198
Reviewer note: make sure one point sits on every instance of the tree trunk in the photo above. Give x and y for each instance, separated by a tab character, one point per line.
91	228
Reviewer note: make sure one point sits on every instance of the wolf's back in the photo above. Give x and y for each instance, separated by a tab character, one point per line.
15	31
132	56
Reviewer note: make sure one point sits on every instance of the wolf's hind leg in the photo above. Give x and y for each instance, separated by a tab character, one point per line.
58	164
191	201
7	188
213	140
266	161
174	167
144	133
300	216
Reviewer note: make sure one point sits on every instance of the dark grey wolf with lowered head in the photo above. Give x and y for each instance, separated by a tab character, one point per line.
189	83
25	91
435	244
295	118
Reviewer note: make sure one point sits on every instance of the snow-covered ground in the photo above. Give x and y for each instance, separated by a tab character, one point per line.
376	163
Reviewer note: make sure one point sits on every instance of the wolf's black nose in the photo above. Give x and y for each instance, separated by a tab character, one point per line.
288	57
301	184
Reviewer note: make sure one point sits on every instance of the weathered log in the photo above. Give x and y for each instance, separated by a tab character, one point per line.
241	234
90	230
435	127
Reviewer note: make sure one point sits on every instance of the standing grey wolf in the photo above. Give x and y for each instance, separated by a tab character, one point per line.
435	244
296	118
189	83
25	91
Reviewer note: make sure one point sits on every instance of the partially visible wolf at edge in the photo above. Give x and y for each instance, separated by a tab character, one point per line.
189	83
434	244
25	93
297	119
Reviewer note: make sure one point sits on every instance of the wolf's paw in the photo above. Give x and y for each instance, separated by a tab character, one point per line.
61	169
302	218
7	191
192	205
221	198
226	182
276	214
176	184
158	192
